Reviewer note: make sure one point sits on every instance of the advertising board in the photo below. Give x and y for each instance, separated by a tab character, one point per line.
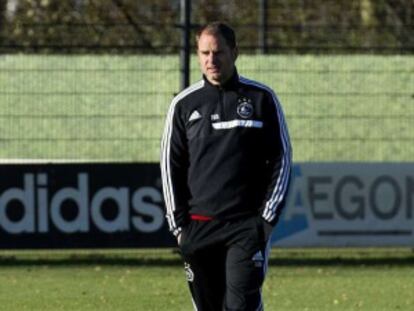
81	205
349	204
115	205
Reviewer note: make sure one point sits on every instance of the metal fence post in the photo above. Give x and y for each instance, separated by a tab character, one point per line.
185	46
262	26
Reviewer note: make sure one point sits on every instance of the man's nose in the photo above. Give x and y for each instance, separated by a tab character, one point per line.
213	58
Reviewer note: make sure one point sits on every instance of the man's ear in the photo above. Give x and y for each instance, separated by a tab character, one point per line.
235	53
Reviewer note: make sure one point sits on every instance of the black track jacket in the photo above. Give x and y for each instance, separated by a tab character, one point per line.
225	153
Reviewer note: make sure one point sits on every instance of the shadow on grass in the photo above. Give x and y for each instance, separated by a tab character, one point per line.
173	259
341	261
89	261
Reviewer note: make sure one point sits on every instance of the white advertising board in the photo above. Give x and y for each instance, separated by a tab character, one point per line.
348	204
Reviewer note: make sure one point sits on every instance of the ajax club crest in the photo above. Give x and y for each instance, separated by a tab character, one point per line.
245	108
188	272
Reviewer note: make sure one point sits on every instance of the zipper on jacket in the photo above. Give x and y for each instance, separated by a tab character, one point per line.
221	103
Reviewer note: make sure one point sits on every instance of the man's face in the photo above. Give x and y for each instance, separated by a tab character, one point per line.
216	58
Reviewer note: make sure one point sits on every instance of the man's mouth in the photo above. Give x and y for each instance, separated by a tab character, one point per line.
213	69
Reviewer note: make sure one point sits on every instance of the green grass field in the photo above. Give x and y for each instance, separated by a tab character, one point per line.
339	108
153	280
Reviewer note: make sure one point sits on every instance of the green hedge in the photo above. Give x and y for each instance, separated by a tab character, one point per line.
339	108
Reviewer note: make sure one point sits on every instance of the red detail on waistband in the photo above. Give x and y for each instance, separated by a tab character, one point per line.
200	217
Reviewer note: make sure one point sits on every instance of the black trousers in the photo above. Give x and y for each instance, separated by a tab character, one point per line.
225	264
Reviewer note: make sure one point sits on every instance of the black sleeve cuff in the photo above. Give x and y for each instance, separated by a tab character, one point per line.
267	229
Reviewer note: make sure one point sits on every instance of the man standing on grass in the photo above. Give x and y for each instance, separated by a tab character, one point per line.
225	162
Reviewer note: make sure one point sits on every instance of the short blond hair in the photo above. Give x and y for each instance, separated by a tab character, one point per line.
216	29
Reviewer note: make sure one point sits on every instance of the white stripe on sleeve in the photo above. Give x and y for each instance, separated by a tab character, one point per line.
167	183
280	189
